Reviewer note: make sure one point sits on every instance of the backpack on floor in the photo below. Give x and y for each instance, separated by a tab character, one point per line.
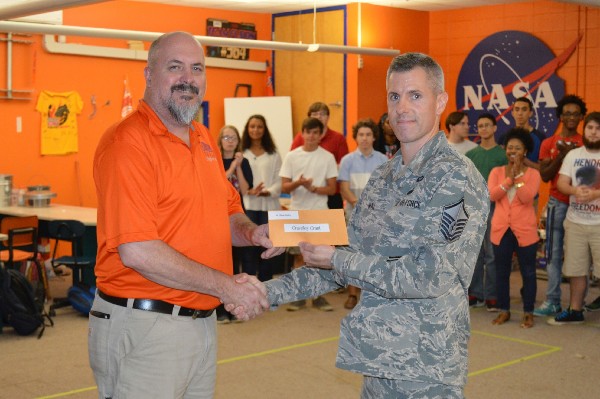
19	307
81	297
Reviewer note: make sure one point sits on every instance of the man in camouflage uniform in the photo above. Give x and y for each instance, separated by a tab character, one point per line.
414	239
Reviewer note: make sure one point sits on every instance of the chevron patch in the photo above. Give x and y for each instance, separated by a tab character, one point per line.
454	220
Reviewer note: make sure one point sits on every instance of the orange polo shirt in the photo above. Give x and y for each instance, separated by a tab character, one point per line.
152	186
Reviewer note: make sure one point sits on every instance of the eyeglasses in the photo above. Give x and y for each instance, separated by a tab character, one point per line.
229	138
318	114
485	126
571	114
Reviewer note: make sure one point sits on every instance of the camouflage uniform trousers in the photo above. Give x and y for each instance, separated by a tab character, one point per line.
383	388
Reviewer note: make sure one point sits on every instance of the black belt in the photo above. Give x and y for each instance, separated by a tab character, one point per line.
153	305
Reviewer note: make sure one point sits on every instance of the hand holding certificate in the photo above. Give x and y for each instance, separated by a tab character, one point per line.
323	226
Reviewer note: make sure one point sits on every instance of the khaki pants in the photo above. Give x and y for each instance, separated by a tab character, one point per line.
140	354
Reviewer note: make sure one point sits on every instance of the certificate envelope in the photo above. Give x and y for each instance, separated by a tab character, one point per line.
323	226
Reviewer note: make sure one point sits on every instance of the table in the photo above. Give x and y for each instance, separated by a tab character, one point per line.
54	212
87	216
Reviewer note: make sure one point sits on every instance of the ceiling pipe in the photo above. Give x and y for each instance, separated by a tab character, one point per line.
26	27
41	6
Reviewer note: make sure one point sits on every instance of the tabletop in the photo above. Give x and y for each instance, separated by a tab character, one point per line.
85	215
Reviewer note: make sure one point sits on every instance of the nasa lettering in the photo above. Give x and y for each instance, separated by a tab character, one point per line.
508	65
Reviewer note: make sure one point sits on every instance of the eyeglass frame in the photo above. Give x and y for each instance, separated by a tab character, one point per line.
571	115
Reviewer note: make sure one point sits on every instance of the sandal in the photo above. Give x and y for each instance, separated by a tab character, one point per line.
527	320
502	318
62	271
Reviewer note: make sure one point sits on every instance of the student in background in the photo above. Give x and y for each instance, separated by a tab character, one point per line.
332	141
486	157
239	174
355	170
570	110
261	152
457	125
309	174
522	111
580	179
237	168
514	224
386	143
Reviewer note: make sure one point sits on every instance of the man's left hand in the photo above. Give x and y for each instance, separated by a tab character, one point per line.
317	255
260	237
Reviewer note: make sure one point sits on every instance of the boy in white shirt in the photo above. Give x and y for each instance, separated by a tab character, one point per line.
355	170
309	175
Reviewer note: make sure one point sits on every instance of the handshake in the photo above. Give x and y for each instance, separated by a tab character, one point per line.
245	297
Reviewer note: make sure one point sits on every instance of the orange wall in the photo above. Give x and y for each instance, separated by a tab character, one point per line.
382	27
447	35
71	175
454	33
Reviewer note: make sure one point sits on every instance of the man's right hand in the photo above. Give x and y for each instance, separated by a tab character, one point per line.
245	297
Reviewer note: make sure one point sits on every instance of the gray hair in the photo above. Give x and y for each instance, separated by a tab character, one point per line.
409	61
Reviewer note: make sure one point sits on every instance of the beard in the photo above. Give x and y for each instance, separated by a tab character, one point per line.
184	113
591	145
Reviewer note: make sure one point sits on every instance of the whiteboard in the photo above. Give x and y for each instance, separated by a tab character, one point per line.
276	110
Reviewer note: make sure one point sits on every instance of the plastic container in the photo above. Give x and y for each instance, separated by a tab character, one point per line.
5	189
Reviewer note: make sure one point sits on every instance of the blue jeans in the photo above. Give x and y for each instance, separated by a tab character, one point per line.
526	256
555	233
483	284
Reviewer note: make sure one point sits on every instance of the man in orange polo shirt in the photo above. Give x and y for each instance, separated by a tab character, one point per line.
167	218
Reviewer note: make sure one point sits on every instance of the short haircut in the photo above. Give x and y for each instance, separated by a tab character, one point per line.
525	100
409	61
489	116
520	134
593	116
267	139
570	99
365	123
317	107
454	119
311	123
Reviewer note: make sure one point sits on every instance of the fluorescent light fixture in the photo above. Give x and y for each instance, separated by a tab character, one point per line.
24	27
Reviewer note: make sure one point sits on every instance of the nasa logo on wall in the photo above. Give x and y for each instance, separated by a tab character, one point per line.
508	65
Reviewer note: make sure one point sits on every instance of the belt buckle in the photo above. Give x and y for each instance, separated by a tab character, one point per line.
195	314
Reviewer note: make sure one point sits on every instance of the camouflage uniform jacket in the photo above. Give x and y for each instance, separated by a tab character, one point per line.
414	239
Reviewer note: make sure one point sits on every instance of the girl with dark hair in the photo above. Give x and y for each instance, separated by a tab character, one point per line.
387	143
514	224
260	150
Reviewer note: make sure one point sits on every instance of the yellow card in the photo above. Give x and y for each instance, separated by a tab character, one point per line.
323	226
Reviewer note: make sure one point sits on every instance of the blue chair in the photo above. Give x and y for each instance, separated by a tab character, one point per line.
71	231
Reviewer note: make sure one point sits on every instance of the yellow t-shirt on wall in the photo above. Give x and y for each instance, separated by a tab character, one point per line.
59	121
